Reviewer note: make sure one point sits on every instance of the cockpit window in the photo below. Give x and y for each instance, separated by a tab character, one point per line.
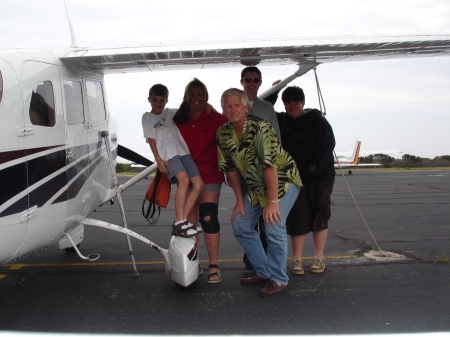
96	104
1	86
73	102
42	105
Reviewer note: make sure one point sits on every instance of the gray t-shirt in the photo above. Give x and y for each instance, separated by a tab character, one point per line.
265	110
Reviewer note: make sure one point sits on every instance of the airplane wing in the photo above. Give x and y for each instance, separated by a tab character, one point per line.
355	165
257	52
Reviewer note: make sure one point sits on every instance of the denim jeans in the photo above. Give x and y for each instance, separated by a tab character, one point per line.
259	227
272	266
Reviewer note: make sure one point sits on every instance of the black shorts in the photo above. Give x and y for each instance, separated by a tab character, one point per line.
312	209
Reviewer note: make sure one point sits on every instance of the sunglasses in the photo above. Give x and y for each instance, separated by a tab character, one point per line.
254	79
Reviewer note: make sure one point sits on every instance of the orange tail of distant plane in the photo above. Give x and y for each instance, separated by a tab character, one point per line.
353	160
356	153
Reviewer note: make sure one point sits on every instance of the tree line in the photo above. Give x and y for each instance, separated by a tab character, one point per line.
407	160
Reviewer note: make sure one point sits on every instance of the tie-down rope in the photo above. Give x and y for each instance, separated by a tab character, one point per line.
321	101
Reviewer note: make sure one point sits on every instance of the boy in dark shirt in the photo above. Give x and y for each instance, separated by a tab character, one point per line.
308	137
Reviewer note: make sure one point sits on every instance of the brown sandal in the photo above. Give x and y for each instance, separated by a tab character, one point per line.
211	276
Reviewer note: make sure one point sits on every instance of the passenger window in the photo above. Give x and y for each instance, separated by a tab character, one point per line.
96	104
73	102
1	86
42	105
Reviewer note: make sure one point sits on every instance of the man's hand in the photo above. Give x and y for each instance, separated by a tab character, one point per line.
238	208
271	213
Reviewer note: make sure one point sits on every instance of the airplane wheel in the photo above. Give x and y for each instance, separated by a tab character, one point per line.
192	286
349	172
71	249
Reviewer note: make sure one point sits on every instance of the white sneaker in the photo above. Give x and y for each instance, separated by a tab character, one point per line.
318	265
296	266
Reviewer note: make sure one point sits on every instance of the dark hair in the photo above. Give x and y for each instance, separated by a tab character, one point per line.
251	70
159	90
293	94
181	116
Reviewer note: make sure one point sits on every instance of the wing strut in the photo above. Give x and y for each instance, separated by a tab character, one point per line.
319	94
304	67
105	136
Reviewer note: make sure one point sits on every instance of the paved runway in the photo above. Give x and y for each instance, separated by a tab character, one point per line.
408	213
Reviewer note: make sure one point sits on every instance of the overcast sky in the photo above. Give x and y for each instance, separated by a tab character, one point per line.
389	104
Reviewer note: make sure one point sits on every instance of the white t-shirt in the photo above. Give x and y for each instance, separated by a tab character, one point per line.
162	128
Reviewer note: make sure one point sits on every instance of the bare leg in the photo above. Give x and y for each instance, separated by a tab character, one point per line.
212	241
320	239
298	241
193	219
180	195
192	195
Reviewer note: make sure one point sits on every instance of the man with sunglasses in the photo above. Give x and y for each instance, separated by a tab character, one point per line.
251	80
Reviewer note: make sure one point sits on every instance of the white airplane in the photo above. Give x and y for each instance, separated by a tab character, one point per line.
342	161
56	128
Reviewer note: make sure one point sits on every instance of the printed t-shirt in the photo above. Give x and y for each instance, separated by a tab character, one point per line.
255	150
162	128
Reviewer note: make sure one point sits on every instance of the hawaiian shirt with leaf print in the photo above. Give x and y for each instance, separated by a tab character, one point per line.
257	149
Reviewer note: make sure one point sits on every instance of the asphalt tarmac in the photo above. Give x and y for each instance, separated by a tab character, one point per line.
407	212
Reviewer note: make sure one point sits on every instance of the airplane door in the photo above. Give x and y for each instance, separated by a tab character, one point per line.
100	178
46	152
77	147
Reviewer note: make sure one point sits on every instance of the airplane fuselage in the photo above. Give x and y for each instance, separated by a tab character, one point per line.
54	169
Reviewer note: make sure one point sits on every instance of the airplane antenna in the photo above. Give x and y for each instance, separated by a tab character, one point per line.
72	34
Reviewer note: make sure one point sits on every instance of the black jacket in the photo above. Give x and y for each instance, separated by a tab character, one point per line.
309	139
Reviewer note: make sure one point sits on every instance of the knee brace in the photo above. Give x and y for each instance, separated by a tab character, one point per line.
210	209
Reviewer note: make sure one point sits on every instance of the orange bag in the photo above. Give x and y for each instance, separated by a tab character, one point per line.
158	195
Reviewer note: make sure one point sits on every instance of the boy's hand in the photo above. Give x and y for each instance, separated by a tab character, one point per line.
162	166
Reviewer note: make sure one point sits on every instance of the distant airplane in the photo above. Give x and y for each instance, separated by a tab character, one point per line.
344	161
352	161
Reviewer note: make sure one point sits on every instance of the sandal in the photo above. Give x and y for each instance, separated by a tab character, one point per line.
210	278
184	229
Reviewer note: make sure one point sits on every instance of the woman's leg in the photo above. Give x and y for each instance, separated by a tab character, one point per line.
208	202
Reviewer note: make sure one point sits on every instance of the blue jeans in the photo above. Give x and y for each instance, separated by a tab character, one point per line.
273	265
